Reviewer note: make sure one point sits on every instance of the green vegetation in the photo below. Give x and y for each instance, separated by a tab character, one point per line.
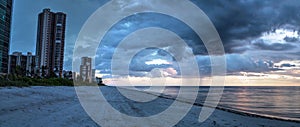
18	79
21	81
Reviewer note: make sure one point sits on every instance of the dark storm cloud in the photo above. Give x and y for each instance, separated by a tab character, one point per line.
246	19
138	64
238	23
287	65
237	63
291	39
240	63
274	46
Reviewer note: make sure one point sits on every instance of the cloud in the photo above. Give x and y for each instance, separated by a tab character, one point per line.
147	60
235	63
170	72
157	62
239	63
287	65
242	20
247	29
291	39
273	46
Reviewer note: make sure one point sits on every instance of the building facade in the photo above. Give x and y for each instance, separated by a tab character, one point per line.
21	64
50	42
86	69
5	27
30	64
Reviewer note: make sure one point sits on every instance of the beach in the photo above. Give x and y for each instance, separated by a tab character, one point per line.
59	106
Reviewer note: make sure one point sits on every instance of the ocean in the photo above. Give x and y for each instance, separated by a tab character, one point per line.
281	102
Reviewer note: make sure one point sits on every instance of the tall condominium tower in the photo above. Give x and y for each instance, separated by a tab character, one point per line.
50	42
5	23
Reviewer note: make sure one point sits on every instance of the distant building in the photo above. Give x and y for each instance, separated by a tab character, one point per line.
74	75
21	64
30	64
93	75
86	69
5	28
50	42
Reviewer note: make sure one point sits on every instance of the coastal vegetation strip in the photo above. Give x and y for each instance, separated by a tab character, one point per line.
23	81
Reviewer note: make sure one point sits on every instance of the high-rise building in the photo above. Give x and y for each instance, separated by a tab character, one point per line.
21	64
86	69
5	26
50	42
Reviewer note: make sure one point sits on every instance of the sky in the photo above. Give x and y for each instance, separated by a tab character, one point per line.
261	40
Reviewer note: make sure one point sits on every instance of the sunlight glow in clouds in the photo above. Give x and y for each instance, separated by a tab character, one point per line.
241	80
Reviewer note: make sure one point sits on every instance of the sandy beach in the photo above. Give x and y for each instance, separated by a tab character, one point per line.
59	106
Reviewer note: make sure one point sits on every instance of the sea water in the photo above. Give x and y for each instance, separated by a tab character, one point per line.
274	101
